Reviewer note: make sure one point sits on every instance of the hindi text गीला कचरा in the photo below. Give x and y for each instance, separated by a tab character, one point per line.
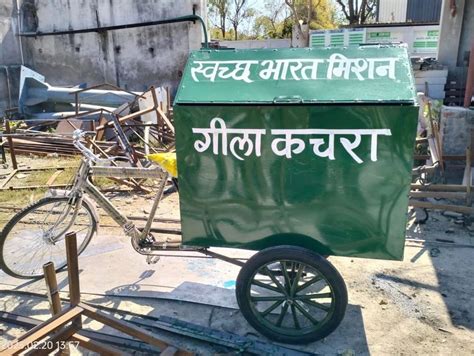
285	143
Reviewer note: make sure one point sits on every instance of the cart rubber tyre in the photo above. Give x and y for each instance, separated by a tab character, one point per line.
283	310
30	210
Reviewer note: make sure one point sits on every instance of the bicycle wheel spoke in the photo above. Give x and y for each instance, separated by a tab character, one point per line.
308	283
295	317
282	314
271	308
306	314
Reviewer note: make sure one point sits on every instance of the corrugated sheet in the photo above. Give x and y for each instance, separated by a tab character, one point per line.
392	11
423	10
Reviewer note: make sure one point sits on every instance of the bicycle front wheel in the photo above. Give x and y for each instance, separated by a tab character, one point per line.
35	236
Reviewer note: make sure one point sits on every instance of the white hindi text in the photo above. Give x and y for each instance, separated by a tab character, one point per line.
242	143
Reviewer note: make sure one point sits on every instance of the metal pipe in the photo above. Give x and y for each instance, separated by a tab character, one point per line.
187	18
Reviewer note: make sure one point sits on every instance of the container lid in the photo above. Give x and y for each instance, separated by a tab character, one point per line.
365	74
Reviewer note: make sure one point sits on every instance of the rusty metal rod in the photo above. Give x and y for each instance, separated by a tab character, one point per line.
10	144
52	286
187	18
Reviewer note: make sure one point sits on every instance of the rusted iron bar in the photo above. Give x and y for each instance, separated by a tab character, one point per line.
457	208
95	346
440	187
10	144
42	330
470	79
126	328
72	268
52	286
438	194
468	176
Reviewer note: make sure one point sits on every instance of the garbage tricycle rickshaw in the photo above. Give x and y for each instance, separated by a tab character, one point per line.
298	154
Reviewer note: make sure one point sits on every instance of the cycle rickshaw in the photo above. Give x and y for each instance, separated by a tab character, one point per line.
297	154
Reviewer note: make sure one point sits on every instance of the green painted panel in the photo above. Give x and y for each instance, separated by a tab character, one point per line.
369	74
349	201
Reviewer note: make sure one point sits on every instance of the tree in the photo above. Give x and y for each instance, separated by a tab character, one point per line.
219	9
355	14
270	23
317	14
239	12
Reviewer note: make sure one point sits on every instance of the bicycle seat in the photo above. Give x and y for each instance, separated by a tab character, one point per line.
167	161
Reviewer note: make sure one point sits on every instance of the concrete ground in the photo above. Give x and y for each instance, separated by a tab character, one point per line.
422	305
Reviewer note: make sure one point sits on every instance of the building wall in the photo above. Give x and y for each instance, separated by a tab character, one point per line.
423	10
392	11
269	43
467	34
131	58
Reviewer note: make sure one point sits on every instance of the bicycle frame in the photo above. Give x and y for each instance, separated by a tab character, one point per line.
83	184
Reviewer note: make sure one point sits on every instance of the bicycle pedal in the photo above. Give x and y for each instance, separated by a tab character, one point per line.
151	260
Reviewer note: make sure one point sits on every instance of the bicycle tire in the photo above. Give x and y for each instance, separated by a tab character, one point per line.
29	210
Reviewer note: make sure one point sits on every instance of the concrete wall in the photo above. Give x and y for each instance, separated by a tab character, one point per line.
131	58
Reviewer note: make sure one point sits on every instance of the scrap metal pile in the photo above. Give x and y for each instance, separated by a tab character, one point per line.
125	123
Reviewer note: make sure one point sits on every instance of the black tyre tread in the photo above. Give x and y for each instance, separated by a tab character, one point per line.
306	256
19	215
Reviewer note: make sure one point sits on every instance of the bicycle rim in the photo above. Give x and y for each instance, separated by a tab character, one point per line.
37	236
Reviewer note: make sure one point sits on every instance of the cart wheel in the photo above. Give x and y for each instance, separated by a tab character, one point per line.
291	294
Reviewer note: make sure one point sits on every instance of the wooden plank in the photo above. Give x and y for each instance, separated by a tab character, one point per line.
165	119
53	177
10	176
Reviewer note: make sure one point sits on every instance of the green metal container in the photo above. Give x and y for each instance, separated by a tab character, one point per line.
307	147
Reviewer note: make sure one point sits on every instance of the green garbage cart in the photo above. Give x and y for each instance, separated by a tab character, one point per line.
298	154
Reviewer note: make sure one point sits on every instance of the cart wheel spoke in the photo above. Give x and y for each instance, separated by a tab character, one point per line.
271	308
282	315
306	314
313	296
274	279
296	279
270	298
295	317
316	304
285	274
313	280
266	286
